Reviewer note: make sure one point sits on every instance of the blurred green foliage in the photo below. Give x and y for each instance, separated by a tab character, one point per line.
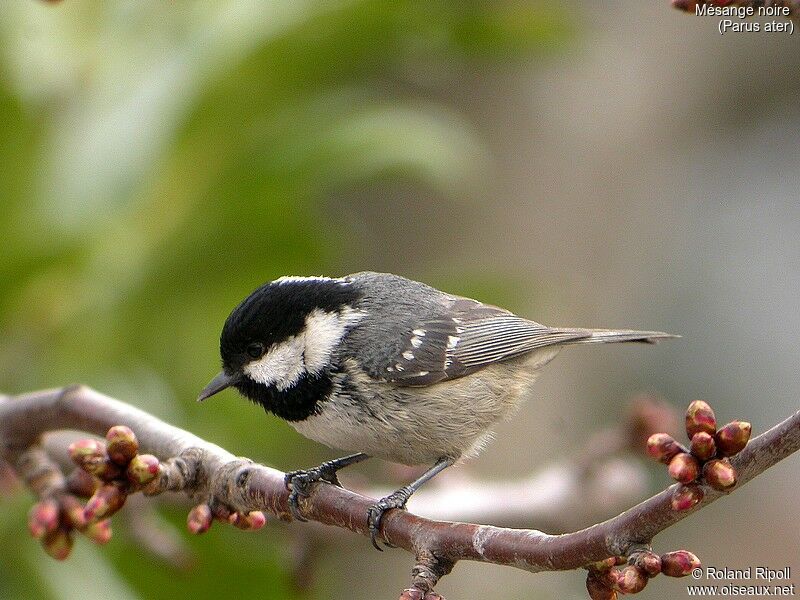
160	160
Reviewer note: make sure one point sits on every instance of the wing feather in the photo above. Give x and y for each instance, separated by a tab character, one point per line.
468	336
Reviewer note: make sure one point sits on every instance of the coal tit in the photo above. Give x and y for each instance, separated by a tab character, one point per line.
384	366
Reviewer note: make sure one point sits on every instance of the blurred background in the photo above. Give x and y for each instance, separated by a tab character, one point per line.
619	165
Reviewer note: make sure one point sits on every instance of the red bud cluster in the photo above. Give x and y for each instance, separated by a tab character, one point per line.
201	517
607	579
108	471
706	458
252	521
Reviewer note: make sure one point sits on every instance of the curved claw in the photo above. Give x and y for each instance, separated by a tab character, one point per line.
375	513
299	484
294	507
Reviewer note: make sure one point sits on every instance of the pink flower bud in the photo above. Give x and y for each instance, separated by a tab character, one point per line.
58	544
679	564
700	417
703	446
199	519
684	468
686	496
631	580
81	483
719	474
43	518
250	522
100	532
106	501
598	587
88	454
143	469
647	561
72	510
122	445
663	447
732	438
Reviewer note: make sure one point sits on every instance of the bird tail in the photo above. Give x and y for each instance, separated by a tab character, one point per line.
604	336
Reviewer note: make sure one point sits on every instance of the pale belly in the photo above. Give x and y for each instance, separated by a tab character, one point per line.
420	425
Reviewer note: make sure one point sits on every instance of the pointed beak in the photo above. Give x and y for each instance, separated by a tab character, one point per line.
216	385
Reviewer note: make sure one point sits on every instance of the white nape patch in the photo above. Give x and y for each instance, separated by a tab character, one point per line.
408	355
307	352
323	332
452	341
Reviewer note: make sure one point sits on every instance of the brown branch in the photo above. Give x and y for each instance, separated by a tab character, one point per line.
208	473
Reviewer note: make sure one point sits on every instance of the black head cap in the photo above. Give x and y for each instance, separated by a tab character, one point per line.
276	311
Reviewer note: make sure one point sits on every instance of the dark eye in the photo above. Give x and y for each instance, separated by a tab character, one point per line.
255	350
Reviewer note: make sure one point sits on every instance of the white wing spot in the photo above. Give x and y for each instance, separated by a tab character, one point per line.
408	355
459	330
456	321
390	369
416	342
419	332
422	373
399	367
452	341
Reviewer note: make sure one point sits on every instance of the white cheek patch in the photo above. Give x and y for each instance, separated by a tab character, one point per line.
281	366
308	352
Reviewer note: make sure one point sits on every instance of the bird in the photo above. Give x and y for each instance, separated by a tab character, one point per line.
383	366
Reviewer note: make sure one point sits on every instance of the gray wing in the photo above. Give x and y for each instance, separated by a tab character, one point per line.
467	336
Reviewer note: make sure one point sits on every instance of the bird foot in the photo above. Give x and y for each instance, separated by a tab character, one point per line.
299	483
375	512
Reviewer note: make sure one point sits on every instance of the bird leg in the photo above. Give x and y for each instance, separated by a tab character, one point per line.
399	498
299	482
